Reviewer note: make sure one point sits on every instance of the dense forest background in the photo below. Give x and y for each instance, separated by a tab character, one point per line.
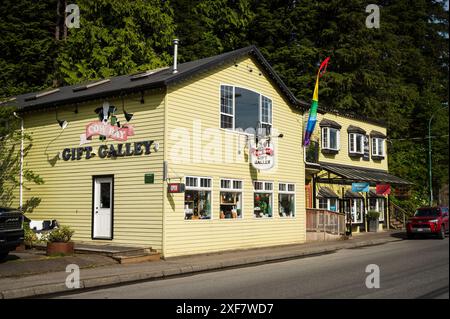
397	73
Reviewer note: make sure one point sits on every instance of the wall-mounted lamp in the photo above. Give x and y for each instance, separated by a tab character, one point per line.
129	116
76	109
156	147
63	123
142	98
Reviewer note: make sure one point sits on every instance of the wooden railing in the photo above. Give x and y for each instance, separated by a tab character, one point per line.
399	215
326	221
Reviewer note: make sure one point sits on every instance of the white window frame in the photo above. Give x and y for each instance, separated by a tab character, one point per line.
200	188
329	203
264	191
376	143
353	136
232	104
326	132
288	192
232	189
234	107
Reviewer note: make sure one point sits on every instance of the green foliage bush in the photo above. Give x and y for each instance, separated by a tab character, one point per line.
373	214
60	235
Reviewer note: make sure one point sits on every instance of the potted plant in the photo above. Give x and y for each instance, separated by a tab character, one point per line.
58	241
372	218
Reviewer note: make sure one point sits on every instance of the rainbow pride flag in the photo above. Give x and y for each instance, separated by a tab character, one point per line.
312	119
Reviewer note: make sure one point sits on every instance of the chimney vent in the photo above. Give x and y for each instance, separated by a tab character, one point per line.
175	55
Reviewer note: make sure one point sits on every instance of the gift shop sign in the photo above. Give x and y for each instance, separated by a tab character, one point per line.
262	154
113	132
107	151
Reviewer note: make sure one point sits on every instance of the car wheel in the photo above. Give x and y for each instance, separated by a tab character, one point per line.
442	232
3	255
409	236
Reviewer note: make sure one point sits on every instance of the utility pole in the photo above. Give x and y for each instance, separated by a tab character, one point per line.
429	161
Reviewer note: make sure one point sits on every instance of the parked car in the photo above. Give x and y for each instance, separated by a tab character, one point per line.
428	220
11	230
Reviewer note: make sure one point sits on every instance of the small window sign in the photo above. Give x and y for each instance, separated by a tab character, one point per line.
175	188
149	178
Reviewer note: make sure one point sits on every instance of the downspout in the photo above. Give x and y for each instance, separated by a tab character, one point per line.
21	163
313	178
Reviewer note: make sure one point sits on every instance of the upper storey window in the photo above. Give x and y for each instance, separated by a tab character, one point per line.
244	109
356	139
330	133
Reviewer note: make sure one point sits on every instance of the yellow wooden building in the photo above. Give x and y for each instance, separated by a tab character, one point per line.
348	149
199	157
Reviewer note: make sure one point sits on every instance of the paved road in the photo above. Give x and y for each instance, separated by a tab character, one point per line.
408	269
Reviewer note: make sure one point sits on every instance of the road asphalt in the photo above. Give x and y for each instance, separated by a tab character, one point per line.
407	269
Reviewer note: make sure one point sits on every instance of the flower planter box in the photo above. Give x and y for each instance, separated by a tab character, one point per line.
60	249
373	225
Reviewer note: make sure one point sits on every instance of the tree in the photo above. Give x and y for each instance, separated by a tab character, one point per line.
27	45
116	37
10	140
210	27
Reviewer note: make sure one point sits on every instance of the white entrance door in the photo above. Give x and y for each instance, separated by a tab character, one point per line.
103	200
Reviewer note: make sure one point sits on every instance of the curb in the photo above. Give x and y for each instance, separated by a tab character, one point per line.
106	281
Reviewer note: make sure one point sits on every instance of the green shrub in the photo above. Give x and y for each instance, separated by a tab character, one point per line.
60	235
373	214
30	238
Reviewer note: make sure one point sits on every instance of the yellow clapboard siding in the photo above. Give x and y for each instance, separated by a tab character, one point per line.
67	192
342	157
202	100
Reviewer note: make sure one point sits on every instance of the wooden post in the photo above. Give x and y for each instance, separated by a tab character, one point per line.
388	209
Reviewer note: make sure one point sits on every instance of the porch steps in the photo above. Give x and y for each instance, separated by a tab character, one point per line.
139	258
122	254
394	223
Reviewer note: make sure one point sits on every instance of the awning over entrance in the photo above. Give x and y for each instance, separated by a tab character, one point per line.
374	194
349	174
325	192
350	194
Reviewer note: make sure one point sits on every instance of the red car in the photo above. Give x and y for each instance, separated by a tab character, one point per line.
428	220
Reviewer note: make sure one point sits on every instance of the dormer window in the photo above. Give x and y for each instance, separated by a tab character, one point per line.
378	147
330	133
356	143
356	136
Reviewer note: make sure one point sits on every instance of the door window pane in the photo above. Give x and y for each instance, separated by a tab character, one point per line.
105	195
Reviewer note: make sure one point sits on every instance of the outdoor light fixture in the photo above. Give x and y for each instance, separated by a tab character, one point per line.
142	98
63	123
156	147
76	109
129	116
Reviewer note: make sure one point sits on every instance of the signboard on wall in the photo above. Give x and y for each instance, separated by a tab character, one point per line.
262	154
383	189
366	156
175	188
360	187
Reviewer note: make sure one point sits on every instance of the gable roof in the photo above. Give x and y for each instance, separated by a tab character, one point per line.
158	78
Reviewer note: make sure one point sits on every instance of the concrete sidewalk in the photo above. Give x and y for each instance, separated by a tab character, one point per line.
54	282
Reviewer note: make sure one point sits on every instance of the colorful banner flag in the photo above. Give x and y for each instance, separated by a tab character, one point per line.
383	189
315	104
360	187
